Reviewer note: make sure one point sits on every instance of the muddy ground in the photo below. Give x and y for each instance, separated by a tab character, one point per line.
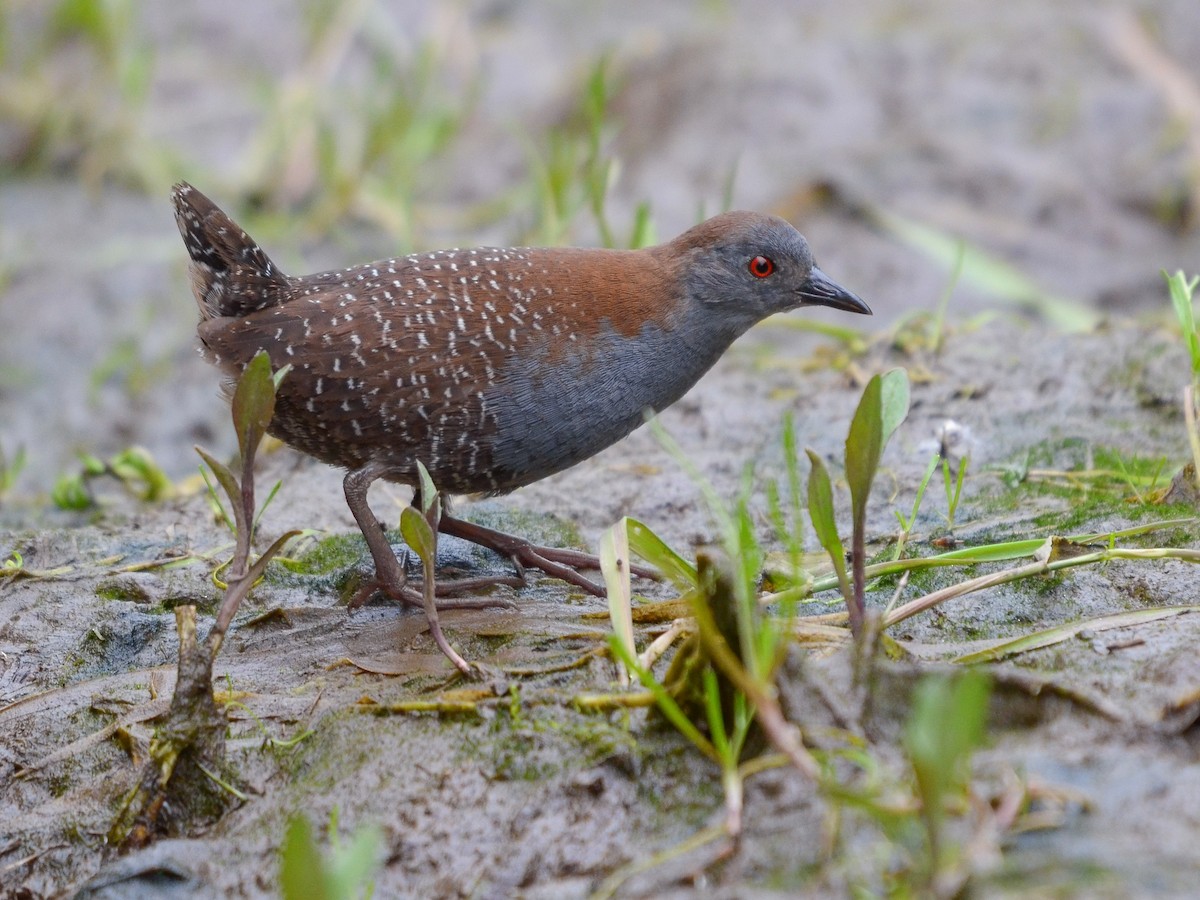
1055	140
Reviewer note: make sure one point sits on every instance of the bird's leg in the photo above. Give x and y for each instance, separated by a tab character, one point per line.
390	577
554	561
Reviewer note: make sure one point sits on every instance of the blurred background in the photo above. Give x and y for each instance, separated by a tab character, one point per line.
1044	159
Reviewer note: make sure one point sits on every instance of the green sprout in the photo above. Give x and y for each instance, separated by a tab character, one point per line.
945	726
953	487
1182	291
345	873
134	468
883	407
10	469
187	749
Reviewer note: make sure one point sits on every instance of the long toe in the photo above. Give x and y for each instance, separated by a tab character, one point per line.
557	562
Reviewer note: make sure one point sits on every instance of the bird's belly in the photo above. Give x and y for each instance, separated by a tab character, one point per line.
552	415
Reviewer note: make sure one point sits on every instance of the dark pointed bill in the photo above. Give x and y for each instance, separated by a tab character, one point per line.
821	290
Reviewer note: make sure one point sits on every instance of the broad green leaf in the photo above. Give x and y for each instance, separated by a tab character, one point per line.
864	446
820	510
893	401
1181	297
224	477
253	403
417	534
820	507
945	726
883	406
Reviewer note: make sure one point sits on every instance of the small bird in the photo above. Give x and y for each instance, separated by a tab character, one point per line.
494	368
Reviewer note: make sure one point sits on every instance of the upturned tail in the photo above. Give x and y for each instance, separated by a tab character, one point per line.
230	274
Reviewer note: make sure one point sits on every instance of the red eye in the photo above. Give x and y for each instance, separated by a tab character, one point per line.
761	267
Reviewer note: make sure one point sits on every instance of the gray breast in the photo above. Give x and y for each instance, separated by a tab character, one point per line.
552	415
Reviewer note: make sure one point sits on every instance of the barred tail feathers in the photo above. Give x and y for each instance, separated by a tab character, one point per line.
230	273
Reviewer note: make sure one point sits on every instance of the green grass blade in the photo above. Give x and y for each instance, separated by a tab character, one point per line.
1181	290
987	273
1050	636
665	701
716	718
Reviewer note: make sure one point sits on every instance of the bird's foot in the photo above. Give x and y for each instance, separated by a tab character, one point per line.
557	562
390	575
401	592
407	596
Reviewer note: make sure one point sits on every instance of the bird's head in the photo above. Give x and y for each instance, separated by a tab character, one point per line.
746	266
